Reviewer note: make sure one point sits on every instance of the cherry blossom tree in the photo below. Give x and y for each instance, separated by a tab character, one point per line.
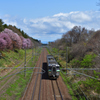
8	40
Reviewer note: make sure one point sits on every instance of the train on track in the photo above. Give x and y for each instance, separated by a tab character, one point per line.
53	67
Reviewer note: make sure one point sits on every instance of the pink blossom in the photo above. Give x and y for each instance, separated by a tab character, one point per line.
6	37
3	44
17	42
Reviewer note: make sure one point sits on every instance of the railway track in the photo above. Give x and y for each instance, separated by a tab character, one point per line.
30	93
56	90
34	89
40	87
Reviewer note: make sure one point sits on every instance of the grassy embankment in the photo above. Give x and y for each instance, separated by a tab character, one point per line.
74	82
15	90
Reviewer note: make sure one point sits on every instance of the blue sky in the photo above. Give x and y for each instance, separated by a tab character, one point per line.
47	20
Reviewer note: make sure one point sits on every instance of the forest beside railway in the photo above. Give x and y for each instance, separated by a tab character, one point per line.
82	48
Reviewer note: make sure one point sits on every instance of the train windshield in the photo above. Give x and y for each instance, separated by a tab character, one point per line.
52	62
51	58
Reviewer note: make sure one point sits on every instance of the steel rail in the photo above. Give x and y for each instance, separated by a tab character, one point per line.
36	80
28	84
25	93
59	90
40	83
40	88
53	90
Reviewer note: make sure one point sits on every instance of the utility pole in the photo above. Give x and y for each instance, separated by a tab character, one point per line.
66	59
32	52
25	64
35	51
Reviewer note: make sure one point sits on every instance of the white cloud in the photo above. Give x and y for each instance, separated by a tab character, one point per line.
61	14
80	17
7	21
6	15
25	20
52	27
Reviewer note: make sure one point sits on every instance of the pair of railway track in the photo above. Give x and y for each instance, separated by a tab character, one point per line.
31	89
34	89
37	88
60	96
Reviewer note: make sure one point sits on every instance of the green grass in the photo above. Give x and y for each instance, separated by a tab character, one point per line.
18	86
21	61
10	58
88	84
16	89
68	86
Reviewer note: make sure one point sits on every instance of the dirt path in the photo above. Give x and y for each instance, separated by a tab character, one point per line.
45	90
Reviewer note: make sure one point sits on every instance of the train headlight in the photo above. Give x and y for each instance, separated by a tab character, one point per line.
57	65
58	71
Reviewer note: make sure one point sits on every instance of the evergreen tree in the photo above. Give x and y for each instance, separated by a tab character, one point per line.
1	25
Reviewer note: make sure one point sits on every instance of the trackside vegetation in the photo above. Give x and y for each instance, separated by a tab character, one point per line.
74	82
16	88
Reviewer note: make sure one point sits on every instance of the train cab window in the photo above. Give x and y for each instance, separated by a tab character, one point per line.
57	67
50	67
51	59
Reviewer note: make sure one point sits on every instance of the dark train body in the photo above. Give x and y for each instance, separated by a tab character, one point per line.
53	67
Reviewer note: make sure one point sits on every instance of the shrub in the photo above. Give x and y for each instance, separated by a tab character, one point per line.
29	44
75	63
17	43
87	61
6	38
24	43
3	44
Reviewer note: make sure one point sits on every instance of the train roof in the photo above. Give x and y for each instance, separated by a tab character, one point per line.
49	56
51	59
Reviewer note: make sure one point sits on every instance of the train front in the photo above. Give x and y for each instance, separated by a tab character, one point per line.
53	70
